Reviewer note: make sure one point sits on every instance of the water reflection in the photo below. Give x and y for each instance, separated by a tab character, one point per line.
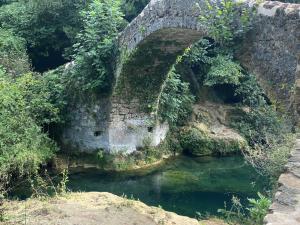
183	185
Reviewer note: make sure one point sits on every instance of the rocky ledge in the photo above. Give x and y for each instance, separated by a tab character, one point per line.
93	208
285	209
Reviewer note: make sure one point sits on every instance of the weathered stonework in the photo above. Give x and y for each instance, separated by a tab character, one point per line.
88	128
285	209
149	47
153	41
272	52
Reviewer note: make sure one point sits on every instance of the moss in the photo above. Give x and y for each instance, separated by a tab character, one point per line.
198	141
195	142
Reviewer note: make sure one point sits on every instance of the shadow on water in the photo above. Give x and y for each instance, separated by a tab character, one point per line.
183	185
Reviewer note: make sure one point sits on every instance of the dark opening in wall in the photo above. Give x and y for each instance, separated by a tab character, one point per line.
150	129
98	133
226	93
48	53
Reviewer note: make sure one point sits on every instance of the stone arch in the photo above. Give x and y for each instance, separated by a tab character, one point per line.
149	45
152	41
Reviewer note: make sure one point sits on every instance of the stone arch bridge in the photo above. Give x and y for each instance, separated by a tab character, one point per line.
149	47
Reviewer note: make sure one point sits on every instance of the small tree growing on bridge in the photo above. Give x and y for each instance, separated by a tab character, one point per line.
226	20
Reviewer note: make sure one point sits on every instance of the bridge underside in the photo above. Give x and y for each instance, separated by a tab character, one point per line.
145	70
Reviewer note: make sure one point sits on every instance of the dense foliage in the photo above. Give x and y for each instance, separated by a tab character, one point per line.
43	33
47	26
13	55
213	65
132	8
226	20
94	51
25	106
223	71
266	130
175	104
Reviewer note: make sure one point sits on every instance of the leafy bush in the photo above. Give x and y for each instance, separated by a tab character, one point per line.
94	51
249	92
269	136
200	52
226	20
258	209
270	160
23	109
60	95
223	71
259	124
13	56
175	102
196	142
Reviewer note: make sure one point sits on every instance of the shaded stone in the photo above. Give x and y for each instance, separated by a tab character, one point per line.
271	52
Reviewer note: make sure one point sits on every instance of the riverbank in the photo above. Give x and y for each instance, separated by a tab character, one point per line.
92	208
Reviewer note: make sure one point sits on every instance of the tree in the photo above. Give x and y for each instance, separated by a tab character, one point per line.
23	109
13	55
48	27
94	52
132	8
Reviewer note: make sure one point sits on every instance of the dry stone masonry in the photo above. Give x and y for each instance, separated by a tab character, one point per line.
285	209
272	52
149	47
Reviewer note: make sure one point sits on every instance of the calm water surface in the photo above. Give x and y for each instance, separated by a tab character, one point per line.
183	185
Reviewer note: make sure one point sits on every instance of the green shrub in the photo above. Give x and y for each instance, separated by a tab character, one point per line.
249	92
223	71
260	124
196	142
132	8
269	137
226	20
199	142
258	208
175	101
23	145
94	52
13	56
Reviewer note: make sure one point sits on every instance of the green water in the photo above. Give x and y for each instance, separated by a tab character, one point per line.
183	185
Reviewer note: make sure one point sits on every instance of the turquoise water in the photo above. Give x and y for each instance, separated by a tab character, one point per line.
183	185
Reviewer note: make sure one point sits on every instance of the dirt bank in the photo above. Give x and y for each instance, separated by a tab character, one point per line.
92	208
